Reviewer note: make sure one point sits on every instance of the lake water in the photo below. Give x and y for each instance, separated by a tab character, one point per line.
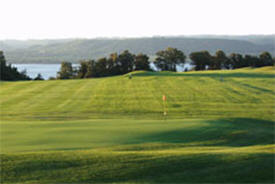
50	70
46	70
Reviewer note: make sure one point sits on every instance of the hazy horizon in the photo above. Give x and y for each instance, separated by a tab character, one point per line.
137	37
84	19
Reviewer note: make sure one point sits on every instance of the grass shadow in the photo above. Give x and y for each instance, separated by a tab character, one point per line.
223	132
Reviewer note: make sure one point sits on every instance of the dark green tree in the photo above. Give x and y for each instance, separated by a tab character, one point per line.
3	65
66	71
113	64
236	60
91	69
101	67
256	62
82	70
142	62
168	59
219	61
125	62
201	59
7	72
252	61
266	59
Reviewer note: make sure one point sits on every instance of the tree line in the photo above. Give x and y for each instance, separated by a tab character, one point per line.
125	62
166	60
118	64
115	64
204	60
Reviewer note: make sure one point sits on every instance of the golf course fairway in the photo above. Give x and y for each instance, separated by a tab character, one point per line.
219	128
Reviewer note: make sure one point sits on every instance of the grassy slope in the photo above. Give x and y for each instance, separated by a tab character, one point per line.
47	135
240	93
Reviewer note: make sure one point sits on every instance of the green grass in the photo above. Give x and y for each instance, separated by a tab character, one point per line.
219	129
211	94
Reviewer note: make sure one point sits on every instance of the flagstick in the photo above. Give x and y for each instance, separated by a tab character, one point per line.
164	110
164	106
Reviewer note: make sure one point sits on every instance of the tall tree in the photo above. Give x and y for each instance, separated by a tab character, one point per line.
82	70
4	74
66	71
250	60
266	59
219	61
101	67
125	62
91	69
200	59
168	59
114	64
142	62
7	72
236	60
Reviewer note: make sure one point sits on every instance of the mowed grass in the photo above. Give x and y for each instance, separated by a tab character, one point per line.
219	129
150	151
211	94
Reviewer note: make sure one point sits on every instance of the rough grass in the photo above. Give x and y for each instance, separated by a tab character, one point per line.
219	129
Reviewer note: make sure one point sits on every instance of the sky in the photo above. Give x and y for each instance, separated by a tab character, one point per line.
51	19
